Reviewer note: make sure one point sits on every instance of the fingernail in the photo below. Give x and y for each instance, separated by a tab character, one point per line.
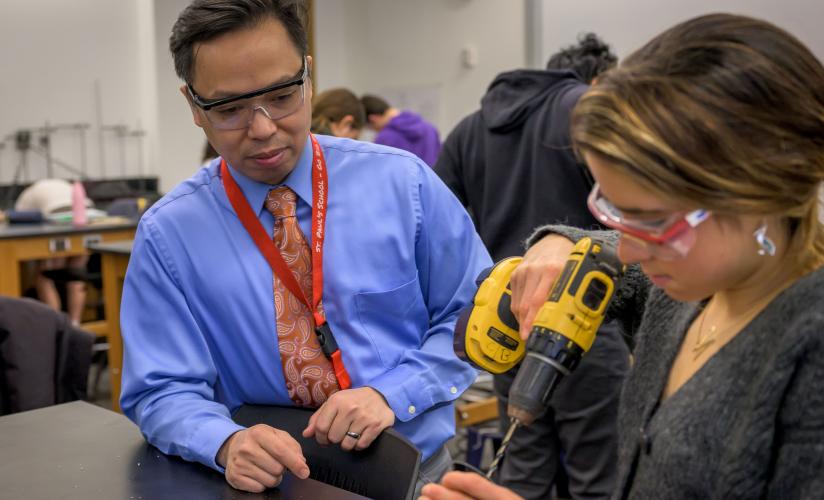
304	472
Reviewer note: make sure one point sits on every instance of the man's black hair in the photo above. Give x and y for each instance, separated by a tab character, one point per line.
589	58
205	20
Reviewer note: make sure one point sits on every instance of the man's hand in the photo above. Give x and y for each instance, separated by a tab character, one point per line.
532	280
361	412
466	486
256	458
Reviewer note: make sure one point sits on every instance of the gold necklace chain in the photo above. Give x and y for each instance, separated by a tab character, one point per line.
703	342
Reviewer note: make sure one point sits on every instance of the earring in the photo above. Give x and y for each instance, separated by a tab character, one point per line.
765	244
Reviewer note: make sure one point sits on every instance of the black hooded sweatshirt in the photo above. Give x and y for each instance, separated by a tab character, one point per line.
511	163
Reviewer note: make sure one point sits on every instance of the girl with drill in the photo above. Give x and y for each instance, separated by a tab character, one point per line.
707	147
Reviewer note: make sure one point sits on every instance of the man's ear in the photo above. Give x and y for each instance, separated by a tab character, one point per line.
196	116
309	89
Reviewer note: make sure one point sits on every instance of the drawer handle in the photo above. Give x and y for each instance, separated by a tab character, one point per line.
60	245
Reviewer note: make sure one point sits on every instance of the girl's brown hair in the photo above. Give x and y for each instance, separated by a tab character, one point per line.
720	112
331	106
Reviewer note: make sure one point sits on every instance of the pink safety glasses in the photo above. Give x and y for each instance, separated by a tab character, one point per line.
669	237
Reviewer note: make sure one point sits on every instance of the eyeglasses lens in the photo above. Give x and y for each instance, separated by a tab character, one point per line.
276	104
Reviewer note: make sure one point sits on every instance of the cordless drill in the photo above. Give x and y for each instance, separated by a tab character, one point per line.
486	333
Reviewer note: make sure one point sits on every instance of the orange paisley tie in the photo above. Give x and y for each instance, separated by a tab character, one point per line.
309	377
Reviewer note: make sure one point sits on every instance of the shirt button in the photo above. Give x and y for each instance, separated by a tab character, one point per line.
411	409
453	390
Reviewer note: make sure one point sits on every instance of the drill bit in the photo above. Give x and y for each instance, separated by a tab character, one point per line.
514	423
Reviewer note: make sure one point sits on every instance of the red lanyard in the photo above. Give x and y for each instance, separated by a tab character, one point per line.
275	259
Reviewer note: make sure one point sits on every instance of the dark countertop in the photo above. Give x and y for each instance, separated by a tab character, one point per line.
80	451
10	231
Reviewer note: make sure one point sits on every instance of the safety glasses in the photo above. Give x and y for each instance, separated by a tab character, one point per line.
236	112
669	237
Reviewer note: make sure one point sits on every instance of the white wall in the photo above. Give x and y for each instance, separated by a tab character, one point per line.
628	24
334	34
51	53
413	49
147	165
180	142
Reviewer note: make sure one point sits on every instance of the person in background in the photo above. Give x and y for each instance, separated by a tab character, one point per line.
402	129
512	165
707	145
373	250
51	196
337	112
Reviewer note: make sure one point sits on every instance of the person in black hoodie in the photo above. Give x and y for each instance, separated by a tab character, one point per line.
512	165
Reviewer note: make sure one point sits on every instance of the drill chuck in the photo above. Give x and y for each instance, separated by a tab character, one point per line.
550	356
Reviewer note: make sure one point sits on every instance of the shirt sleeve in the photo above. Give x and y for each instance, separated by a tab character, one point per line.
168	373
449	255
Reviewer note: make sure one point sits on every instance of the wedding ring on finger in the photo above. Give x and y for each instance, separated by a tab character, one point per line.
353	435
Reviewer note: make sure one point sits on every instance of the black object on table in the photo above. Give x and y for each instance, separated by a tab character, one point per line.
386	470
24	216
81	451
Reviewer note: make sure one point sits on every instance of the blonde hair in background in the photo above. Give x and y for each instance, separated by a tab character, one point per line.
720	112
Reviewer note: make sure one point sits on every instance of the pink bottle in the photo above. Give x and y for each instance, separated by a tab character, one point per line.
78	204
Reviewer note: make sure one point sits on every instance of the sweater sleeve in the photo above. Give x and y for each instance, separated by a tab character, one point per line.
630	299
799	451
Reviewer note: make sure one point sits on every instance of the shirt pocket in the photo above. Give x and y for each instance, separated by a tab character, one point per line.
395	320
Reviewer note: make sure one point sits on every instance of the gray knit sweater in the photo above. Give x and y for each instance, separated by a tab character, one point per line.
748	424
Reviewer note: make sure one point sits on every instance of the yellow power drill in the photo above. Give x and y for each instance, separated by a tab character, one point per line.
486	334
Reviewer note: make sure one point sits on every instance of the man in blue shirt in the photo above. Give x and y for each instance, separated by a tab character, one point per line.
392	249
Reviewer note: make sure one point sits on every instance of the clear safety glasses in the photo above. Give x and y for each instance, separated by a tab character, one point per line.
669	237
236	112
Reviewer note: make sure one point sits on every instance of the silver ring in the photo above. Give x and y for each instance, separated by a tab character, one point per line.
353	435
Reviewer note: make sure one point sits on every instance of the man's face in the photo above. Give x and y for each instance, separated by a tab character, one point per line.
243	61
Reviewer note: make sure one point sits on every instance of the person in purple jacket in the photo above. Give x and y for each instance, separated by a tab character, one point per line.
402	129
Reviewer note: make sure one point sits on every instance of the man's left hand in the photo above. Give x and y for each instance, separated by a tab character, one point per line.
361	412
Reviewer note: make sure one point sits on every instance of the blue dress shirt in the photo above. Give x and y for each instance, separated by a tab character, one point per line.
198	319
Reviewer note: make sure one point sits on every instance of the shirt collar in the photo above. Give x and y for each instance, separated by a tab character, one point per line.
299	181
